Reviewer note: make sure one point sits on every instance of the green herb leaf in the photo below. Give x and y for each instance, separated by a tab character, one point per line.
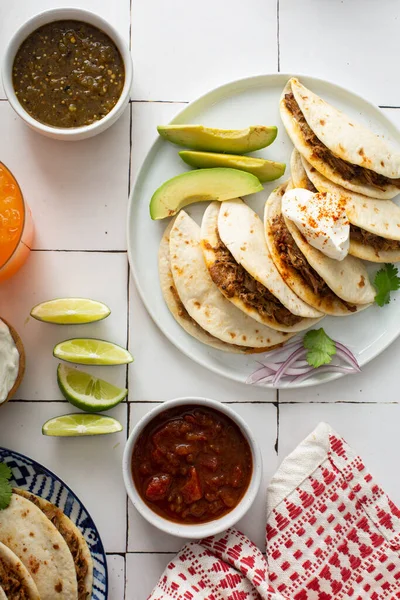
320	348
386	281
5	486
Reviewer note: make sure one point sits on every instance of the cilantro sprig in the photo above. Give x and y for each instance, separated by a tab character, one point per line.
5	486
386	281
321	348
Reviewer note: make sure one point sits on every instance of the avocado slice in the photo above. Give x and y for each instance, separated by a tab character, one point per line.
265	170
203	185
233	141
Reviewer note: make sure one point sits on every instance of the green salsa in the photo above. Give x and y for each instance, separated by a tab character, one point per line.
68	74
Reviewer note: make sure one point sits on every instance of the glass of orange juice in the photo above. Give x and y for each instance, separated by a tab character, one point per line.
16	225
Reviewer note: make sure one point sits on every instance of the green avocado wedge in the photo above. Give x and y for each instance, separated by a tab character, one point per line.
232	141
265	170
203	185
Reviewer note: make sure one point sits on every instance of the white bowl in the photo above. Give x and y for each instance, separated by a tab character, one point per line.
203	529
61	14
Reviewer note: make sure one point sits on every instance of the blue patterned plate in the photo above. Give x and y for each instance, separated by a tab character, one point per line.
33	477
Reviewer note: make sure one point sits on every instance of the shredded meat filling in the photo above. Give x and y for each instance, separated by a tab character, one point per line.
235	281
377	242
12	583
293	257
81	567
346	170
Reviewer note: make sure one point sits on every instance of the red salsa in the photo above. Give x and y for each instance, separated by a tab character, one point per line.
192	464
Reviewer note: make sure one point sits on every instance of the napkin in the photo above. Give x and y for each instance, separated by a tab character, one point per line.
331	533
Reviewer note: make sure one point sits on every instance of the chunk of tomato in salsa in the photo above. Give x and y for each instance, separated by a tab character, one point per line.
191	491
157	488
192	464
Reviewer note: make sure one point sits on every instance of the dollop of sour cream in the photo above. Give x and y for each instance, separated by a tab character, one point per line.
9	361
321	218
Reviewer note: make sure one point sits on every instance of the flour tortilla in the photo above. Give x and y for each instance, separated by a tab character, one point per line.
11	566
42	549
381	217
175	305
73	537
344	137
241	230
348	279
203	300
298	173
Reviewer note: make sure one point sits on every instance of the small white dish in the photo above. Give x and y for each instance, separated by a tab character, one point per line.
60	14
203	529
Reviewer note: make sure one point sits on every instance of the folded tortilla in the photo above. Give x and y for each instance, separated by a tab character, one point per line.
337	289
241	266
34	539
175	305
342	150
74	539
375	224
15	580
202	299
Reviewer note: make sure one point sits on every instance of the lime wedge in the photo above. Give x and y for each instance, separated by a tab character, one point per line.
87	392
81	424
70	311
88	351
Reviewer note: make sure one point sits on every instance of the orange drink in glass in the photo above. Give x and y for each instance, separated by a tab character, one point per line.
16	225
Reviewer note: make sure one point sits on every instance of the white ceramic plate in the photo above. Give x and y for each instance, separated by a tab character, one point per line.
239	104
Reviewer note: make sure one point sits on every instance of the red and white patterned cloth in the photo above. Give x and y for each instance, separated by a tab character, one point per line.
332	534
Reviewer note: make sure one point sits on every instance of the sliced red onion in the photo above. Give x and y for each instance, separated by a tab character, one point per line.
300	353
342	351
295	368
324	369
260	374
285	348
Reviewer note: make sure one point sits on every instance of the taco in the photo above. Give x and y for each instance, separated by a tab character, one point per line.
202	299
74	539
15	580
337	289
374	224
342	150
27	532
241	266
175	305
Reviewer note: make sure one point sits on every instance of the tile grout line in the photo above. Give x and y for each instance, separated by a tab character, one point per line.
131	101
79	251
278	35
276	447
231	402
127	327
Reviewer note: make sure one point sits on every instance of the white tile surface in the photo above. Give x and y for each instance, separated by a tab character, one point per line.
145	118
262	418
78	191
15	13
116	576
190	48
49	275
372	430
143	572
169	373
350	42
91	466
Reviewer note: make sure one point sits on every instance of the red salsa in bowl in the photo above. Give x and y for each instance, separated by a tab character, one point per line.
192	464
